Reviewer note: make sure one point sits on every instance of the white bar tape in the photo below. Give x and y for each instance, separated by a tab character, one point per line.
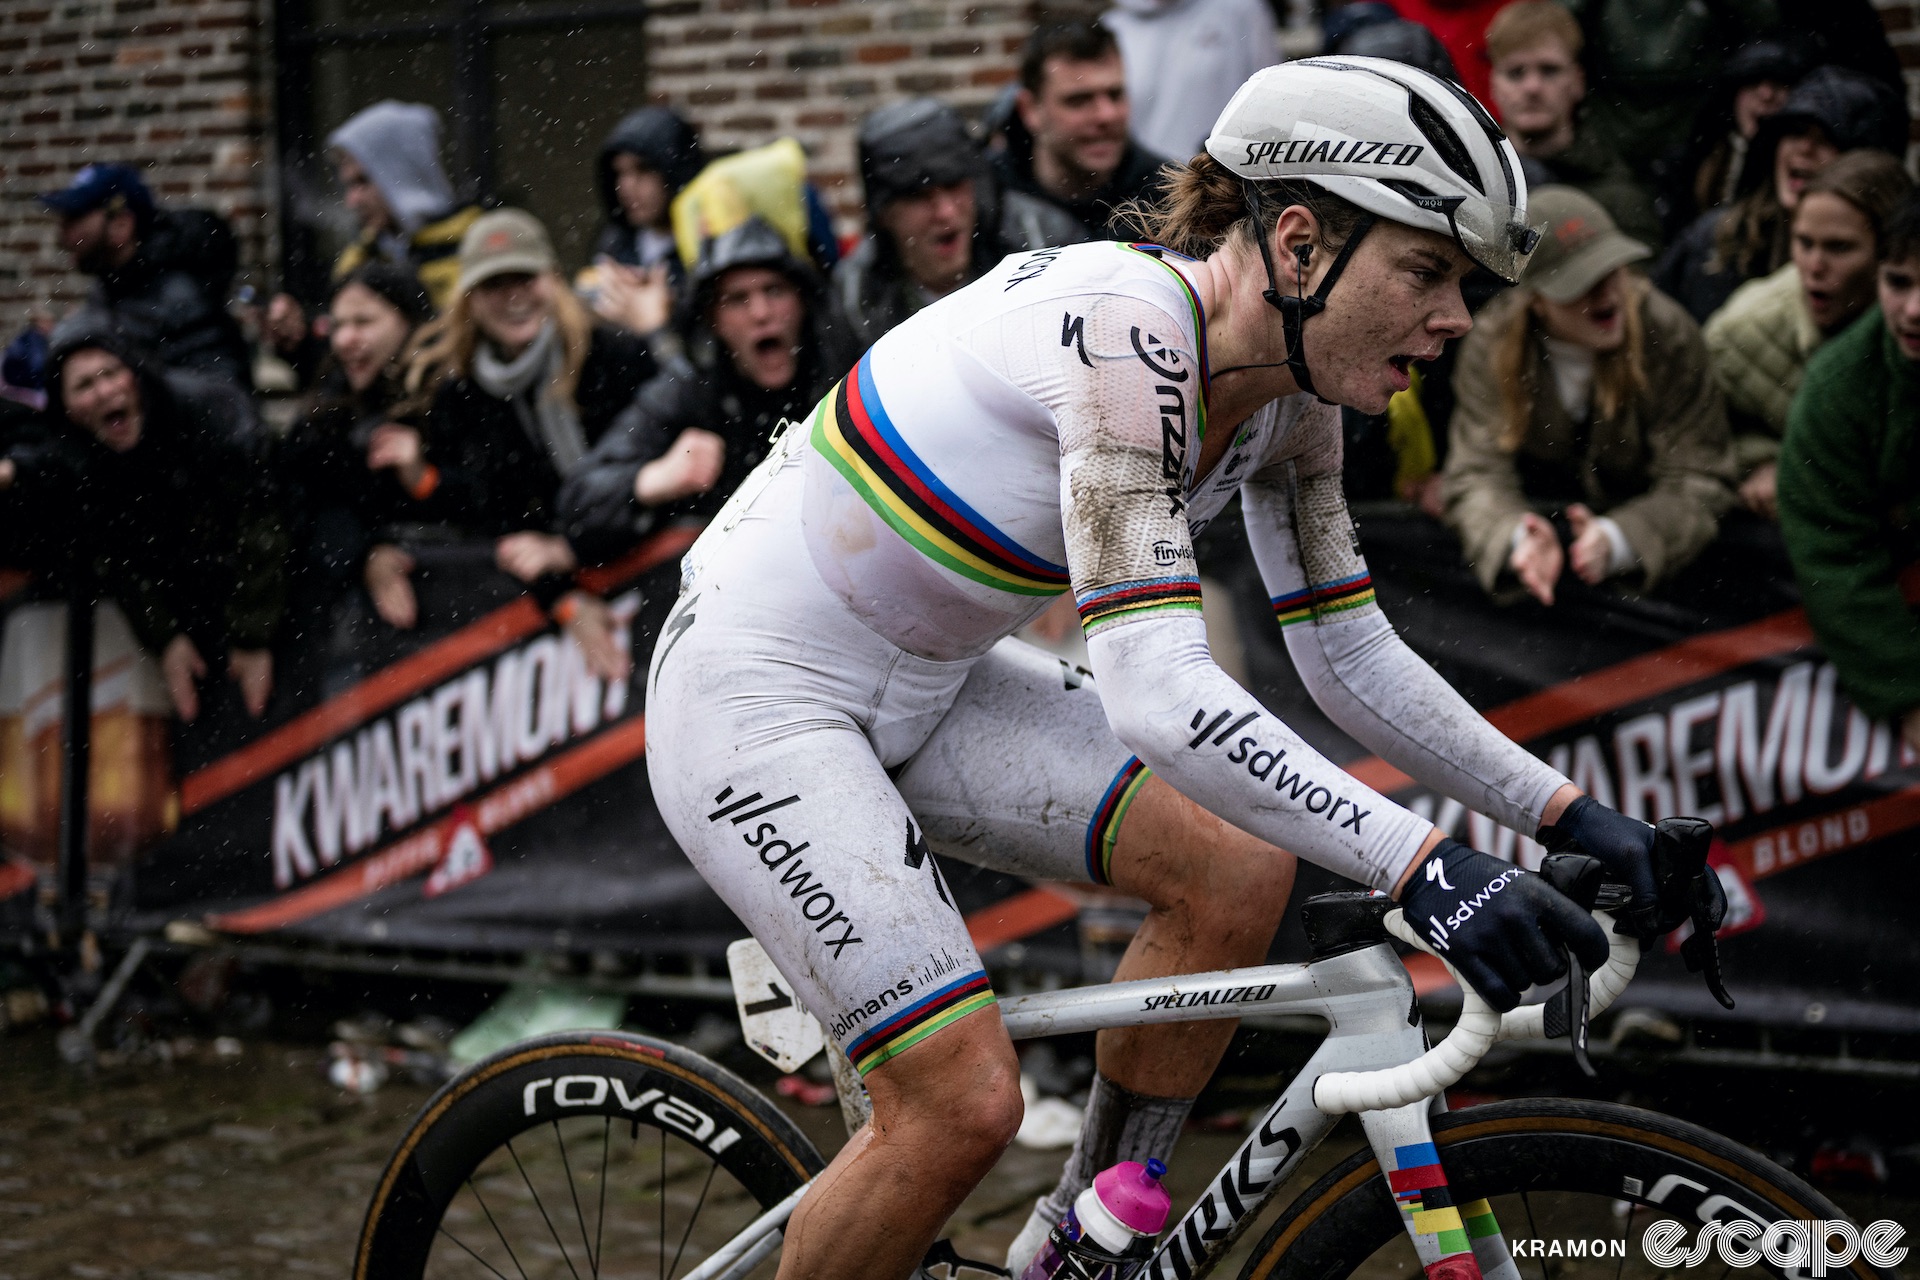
1478	1030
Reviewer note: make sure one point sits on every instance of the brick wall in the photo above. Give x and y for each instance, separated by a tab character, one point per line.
748	71
170	85
1902	20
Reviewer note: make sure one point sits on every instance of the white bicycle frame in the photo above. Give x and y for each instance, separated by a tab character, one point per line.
1374	1061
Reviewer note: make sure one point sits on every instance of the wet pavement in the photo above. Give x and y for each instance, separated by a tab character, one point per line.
236	1159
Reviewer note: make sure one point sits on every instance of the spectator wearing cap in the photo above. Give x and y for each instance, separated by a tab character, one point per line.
936	218
513	384
176	510
340	508
1184	59
760	349
1585	393
1832	110
161	276
1761	340
1069	143
1538	86
1850	489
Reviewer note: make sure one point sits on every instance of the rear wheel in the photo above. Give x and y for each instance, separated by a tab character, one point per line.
581	1155
1558	1172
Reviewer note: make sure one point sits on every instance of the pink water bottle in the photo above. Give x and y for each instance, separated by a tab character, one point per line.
1110	1229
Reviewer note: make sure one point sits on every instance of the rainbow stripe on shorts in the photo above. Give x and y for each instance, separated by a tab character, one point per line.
911	1025
1104	829
1324	600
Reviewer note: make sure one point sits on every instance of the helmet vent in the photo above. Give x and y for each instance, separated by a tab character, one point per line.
1446	143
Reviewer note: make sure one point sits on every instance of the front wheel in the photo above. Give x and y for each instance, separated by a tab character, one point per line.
584	1154
1573	1185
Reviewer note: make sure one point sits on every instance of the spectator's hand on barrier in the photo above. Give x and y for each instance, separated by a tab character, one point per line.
181	666
1910	728
1591	552
252	670
391	589
6	473
529	555
590	622
286	324
399	447
1759	491
635	298
1424	494
691	465
1537	558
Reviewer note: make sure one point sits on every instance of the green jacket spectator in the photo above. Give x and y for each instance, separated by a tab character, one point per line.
1850	510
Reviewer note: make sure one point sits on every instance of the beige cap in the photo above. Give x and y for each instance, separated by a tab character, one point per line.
1579	245
503	242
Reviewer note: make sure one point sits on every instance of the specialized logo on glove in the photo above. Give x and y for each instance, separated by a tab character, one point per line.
1437	931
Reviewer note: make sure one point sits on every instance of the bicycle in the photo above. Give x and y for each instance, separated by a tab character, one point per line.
1441	1180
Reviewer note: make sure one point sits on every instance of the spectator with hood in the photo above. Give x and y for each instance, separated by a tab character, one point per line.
161	276
176	509
387	158
1538	86
515	383
1850	488
936	218
1753	85
761	348
338	505
650	155
1582	392
1069	142
1762	339
1830	111
1184	59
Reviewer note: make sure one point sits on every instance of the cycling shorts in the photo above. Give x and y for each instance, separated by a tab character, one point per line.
807	766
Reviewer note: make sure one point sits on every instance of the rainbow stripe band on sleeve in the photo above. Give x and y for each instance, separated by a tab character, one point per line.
1104	829
852	431
919	1020
1324	599
1143	597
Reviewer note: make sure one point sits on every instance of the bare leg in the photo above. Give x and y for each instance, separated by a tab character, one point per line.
1217	895
943	1111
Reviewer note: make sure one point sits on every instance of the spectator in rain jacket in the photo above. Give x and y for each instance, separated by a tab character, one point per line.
387	158
1584	392
1753	85
1850	489
1830	111
176	511
160	276
936	218
1538	86
1068	143
1761	340
636	272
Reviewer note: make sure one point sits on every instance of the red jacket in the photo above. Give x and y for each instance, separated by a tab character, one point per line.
1462	28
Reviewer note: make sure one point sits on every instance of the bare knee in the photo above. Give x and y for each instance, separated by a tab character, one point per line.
960	1098
1179	857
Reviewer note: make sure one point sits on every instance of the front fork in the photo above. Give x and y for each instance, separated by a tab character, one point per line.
1454	1241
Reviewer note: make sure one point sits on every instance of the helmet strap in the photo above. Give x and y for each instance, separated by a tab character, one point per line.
1295	311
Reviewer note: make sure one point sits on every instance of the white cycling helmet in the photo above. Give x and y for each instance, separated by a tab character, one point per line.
1400	143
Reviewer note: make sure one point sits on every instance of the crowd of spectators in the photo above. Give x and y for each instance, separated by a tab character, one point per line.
1722	323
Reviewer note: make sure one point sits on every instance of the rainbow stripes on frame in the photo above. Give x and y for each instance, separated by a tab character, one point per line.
1104	829
853	432
911	1025
1323	600
1143	597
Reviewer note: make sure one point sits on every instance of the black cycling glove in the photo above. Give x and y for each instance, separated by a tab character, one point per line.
1502	927
1623	845
1669	876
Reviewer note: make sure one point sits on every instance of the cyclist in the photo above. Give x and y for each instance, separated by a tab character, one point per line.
834	692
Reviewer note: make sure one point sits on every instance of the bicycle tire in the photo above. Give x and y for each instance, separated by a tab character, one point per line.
480	1112
1541	1145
